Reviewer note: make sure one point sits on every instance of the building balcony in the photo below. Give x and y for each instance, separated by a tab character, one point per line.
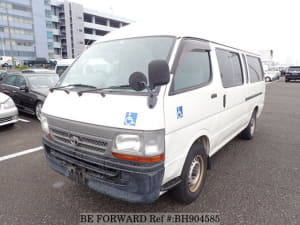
55	18
91	37
56	44
98	27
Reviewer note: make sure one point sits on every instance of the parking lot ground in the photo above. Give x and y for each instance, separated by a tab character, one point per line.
25	134
251	182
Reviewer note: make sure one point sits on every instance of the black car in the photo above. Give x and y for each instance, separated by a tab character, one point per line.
28	91
293	73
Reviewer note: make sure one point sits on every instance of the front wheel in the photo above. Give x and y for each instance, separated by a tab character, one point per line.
38	110
193	176
287	80
249	131
268	79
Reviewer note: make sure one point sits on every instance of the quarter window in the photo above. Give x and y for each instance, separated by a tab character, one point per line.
255	69
230	68
193	69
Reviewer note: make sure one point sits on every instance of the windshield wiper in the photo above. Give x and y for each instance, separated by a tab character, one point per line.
99	90
71	85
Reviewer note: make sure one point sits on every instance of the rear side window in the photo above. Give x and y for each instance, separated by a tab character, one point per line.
193	69
294	69
255	69
10	80
230	68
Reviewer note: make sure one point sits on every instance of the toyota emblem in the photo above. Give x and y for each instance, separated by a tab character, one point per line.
74	140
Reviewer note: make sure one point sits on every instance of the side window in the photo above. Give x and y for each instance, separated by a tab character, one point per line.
10	80
255	69
230	68
20	81
193	69
245	68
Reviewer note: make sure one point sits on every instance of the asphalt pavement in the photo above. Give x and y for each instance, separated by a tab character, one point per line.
251	182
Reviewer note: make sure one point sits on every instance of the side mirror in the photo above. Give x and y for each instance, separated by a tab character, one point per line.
138	81
24	88
159	73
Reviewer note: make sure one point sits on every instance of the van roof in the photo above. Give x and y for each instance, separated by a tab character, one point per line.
161	29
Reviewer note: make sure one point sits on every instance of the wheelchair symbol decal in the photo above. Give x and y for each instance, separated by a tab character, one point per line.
130	119
179	112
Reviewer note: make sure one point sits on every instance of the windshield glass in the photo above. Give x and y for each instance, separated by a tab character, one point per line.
294	69
42	81
111	63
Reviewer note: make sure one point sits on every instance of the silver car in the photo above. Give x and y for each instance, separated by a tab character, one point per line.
8	111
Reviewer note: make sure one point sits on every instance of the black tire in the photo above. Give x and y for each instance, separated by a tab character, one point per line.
248	132
189	190
287	80
37	109
268	79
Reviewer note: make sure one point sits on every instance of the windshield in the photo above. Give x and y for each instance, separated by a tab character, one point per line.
294	69
111	63
42	81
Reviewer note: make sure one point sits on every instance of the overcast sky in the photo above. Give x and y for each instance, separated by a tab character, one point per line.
260	24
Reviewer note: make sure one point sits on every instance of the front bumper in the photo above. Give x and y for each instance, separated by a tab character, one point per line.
130	181
292	77
8	116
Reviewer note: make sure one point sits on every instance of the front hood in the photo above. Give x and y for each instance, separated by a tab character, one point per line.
41	91
120	111
3	97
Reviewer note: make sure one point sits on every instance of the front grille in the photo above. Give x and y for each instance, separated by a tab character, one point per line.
6	119
80	141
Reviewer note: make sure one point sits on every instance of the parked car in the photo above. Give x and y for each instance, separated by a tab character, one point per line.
62	65
271	75
8	111
28	90
293	73
39	71
119	122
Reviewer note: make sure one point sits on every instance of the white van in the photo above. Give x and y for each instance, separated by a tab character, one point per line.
6	61
62	65
141	112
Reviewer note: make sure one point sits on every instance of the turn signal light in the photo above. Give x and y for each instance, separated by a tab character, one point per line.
152	159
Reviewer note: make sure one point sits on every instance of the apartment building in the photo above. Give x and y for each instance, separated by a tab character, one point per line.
51	28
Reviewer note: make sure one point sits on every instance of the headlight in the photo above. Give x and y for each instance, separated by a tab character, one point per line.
9	104
128	143
44	124
147	146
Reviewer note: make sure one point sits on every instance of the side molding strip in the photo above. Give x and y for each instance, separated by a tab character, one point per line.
253	96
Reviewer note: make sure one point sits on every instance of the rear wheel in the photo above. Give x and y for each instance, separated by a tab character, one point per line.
38	110
287	80
268	79
193	176
249	131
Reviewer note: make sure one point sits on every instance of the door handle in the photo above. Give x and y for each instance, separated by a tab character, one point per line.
214	95
224	101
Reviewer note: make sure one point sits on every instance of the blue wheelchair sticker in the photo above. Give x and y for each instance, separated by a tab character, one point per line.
179	112
130	119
